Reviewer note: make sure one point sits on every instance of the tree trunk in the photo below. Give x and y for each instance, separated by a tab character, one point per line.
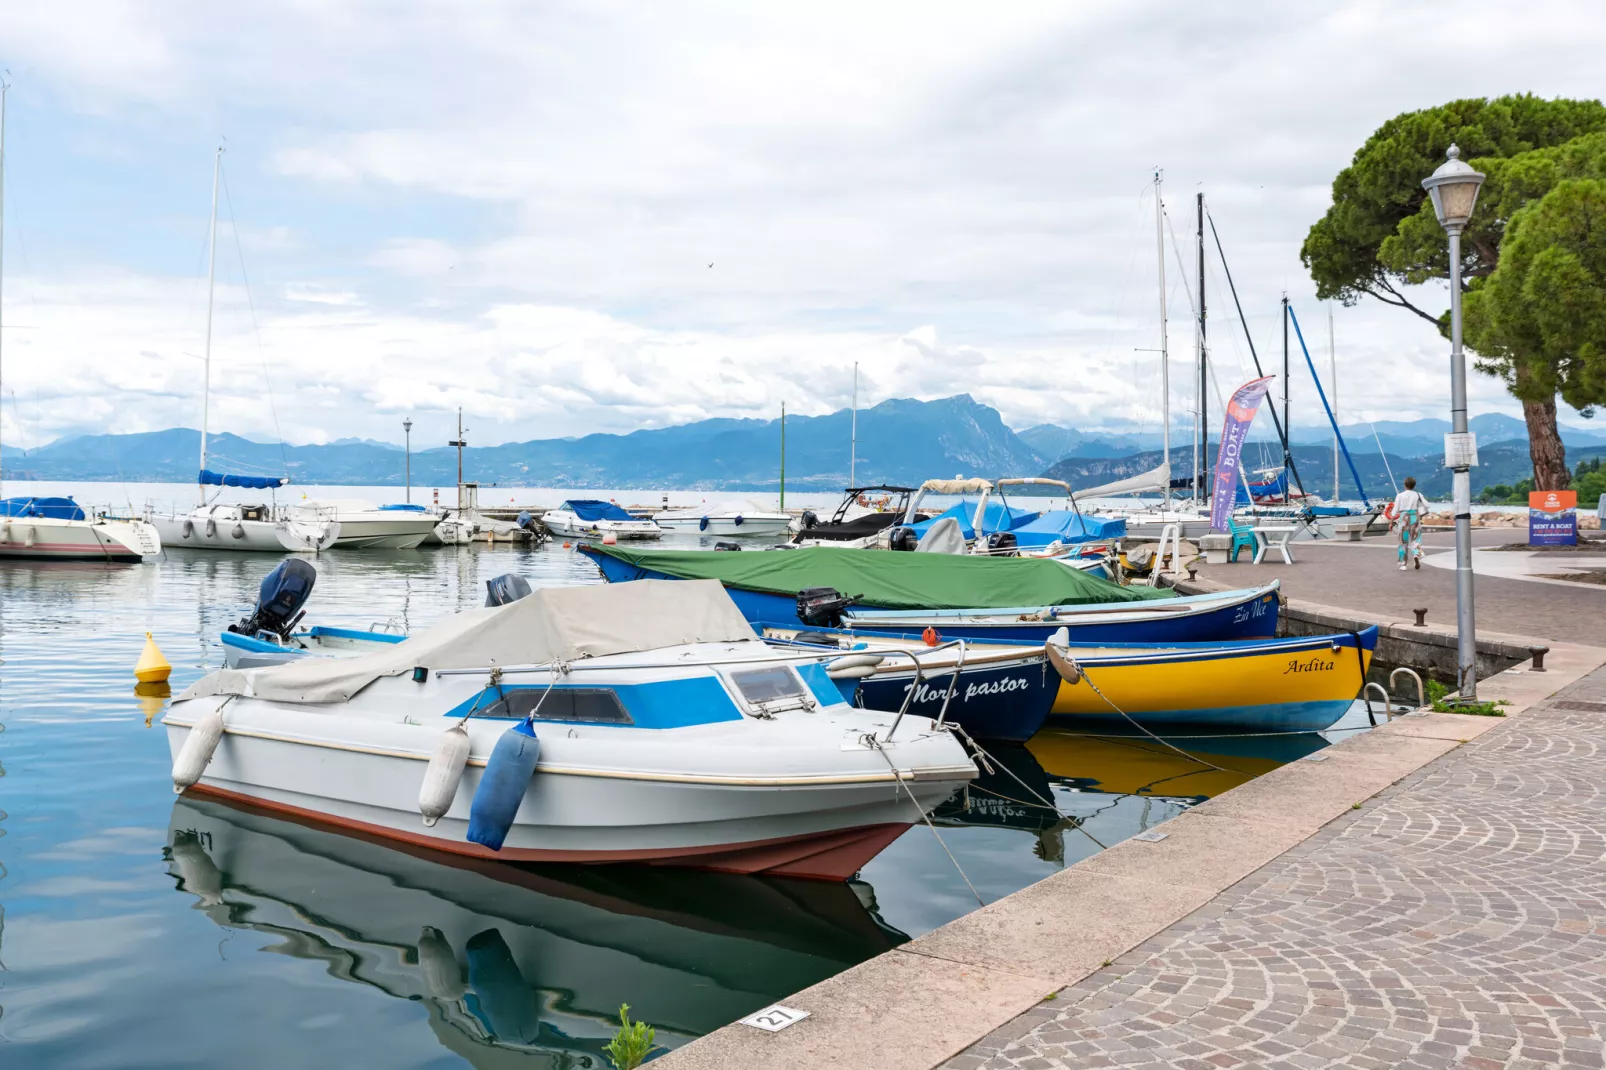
1544	446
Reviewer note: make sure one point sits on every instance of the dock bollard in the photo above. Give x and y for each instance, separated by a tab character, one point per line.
1421	617
1539	653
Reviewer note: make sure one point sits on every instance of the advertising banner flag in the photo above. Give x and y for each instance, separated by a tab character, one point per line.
1553	518
1241	409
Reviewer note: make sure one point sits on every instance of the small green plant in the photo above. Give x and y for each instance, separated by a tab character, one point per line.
1355	806
629	1047
1051	996
1440	703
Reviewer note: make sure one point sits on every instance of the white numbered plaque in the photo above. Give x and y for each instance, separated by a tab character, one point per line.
774	1019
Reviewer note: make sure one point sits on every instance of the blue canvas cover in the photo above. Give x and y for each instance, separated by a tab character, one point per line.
1069	527
48	508
591	509
403	507
219	479
1271	490
999	517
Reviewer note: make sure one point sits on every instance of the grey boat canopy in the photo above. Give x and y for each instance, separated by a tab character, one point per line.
550	624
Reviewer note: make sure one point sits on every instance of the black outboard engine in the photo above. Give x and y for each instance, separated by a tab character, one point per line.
1002	544
822	606
726	545
810	519
506	588
279	600
903	537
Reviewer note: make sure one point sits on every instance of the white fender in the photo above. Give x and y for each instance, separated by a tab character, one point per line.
852	672
28	539
436	960
5	531
189	528
238	531
854	666
211	526
444	773
193	757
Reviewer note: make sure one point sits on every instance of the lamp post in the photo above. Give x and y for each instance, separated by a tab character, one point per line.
1454	190
407	430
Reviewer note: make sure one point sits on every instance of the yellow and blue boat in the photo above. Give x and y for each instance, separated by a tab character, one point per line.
1297	684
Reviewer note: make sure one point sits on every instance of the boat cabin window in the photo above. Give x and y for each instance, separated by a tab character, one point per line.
598	704
254	512
771	689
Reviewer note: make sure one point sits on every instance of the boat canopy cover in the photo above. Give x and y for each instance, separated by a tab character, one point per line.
1067	526
591	509
956	486
48	508
889	580
403	507
1000	516
554	623
210	478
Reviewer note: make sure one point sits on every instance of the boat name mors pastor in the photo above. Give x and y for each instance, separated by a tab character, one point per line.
689	743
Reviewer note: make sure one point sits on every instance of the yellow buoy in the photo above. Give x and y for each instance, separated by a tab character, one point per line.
152	667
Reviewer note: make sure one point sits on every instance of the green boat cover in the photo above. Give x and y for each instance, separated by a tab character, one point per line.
890	580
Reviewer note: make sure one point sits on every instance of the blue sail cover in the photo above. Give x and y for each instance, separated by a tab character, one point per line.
47	508
591	509
403	507
1271	490
1068	527
210	478
1000	517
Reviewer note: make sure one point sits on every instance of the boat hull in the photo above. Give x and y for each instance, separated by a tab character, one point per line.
53	539
1007	701
1281	685
256	536
567	524
383	534
715	525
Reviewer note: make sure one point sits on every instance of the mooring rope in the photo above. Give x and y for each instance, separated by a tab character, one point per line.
1191	757
977	747
921	810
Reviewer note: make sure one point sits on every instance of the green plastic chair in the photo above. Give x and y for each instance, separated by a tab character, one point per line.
1243	538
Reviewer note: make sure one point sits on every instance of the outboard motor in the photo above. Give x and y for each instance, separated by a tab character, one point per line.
1002	544
810	519
279	600
727	545
822	606
506	588
903	537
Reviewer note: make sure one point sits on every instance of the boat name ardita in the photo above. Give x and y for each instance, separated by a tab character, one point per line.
1315	664
937	692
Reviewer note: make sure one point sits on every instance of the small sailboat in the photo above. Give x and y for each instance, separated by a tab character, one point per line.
214	525
593	519
54	528
558	728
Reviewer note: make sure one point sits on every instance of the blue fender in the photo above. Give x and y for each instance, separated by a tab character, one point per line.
702	525
502	788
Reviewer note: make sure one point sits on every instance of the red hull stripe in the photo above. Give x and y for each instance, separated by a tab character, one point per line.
834	855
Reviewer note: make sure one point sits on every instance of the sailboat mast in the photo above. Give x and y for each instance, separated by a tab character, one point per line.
4	87
783	456
206	353
1332	375
853	445
1165	357
1288	431
1204	398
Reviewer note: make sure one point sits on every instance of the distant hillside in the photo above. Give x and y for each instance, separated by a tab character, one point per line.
900	441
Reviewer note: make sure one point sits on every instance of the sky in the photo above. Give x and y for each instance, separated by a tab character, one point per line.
568	218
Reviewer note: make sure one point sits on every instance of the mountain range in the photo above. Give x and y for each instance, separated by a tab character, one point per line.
901	441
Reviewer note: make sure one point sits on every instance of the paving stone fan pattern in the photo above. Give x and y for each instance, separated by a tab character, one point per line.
1456	920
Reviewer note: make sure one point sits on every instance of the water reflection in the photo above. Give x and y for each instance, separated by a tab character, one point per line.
1141	765
515	961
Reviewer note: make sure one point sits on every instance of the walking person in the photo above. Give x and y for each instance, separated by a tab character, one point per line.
1409	508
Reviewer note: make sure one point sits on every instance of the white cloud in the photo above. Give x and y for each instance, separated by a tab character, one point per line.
513	208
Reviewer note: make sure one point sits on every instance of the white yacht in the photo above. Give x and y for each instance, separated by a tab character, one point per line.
363	525
588	518
558	728
725	518
230	526
58	529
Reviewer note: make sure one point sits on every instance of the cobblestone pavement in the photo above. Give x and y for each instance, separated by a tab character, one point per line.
1456	920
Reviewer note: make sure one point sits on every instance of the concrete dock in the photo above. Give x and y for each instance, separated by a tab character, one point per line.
1428	894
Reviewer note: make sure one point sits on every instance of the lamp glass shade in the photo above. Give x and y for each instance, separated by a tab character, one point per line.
1454	190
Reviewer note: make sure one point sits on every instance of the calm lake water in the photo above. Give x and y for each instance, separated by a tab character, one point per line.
137	929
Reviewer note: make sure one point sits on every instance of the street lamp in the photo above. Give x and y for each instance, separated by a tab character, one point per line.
407	429
1454	190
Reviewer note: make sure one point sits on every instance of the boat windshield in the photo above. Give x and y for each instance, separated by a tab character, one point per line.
772	688
882	499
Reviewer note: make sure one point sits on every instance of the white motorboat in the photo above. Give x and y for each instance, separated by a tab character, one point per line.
362	525
725	518
588	518
627	722
227	526
58	529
